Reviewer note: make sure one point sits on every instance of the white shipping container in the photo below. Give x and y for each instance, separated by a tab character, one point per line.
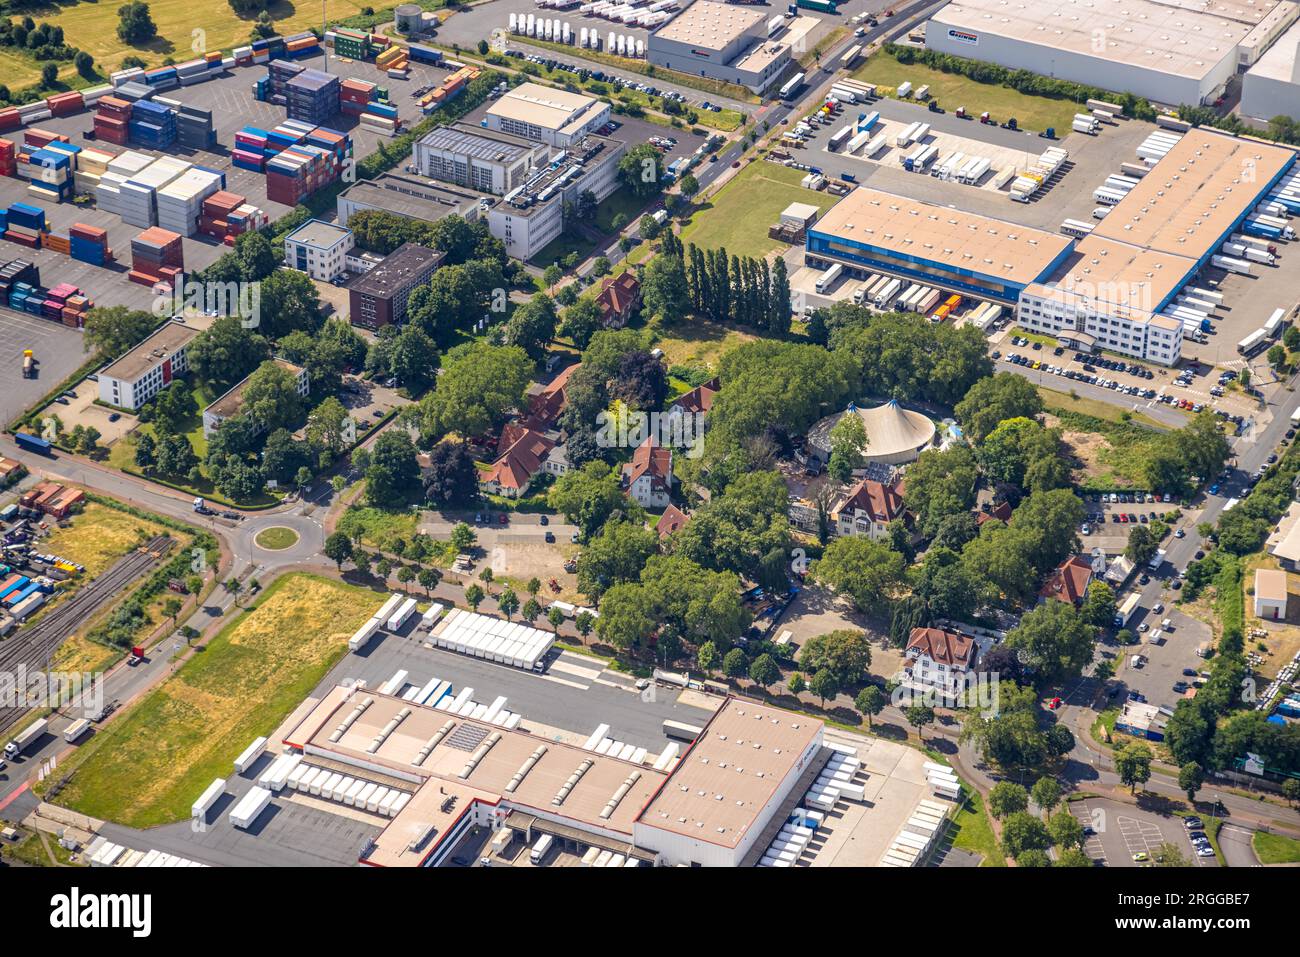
249	807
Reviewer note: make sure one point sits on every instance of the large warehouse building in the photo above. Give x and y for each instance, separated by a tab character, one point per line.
1112	289
722	42
709	806
869	231
1272	86
1170	51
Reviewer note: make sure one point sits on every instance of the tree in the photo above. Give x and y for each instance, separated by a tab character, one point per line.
450	477
463	537
474	597
641	170
706	657
1024	832
846	653
1133	764
641	381
393	474
556	617
225	353
616	555
664	291
429	579
1276	357
1099	605
532	325
1073	857
1054	641
869	702
588	496
581	321
171	608
289	302
584	623
271	397
1142	545
1291	790
995	399
918	716
796	684
1033	858
145	451
848	442
763	671
338	549
1046	793
1007	797
1190	778
234	588
941	484
384	568
479	383
734	663
867	572
530	611
1168	854
134	24
405	575
508	602
113	330
824	685
486	576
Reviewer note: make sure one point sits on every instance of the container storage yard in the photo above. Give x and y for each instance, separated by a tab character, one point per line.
107	141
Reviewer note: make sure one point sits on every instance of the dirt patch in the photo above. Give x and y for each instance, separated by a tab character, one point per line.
516	564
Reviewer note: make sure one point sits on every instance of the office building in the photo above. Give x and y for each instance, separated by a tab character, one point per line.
319	249
380	296
485	160
137	376
546	115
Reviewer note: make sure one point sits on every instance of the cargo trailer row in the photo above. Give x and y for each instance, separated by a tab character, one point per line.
250	755
463	705
985	315
274	777
352	792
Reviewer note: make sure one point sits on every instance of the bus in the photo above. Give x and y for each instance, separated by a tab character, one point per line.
681	731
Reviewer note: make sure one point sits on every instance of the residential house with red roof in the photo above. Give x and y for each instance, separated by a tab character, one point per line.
941	659
1069	581
648	478
867	509
618	300
1000	511
670	521
525	455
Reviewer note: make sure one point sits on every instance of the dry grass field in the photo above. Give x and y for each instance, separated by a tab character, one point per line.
148	767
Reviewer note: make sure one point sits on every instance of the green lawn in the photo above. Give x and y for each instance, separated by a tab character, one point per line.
1275	849
378	527
148	766
621	201
973	832
954	90
276	537
737	217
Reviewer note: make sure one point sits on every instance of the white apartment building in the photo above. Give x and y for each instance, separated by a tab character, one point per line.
940	660
137	376
319	249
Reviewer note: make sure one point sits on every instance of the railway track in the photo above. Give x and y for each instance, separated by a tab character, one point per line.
34	646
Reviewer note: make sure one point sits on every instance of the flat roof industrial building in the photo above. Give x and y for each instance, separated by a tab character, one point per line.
720	41
708	807
1272	86
870	229
1170	51
412	198
547	115
486	160
1118	280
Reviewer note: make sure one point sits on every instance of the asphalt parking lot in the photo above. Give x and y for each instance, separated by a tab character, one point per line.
57	349
1120	831
1173	651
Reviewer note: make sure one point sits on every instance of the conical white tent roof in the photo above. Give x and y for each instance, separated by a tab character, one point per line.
894	434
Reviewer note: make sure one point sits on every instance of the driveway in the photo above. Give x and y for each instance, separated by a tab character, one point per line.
1234	841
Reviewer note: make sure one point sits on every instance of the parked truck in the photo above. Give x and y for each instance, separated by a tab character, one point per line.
29	364
24	740
76	730
1127	610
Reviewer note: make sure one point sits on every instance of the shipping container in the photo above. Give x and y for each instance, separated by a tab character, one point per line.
249	808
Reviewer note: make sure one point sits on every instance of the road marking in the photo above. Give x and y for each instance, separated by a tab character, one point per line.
562	681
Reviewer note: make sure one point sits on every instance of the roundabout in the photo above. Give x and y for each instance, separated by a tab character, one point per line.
276	538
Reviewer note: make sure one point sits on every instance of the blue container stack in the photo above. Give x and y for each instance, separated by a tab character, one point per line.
262	88
152	125
312	97
163	78
51	175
